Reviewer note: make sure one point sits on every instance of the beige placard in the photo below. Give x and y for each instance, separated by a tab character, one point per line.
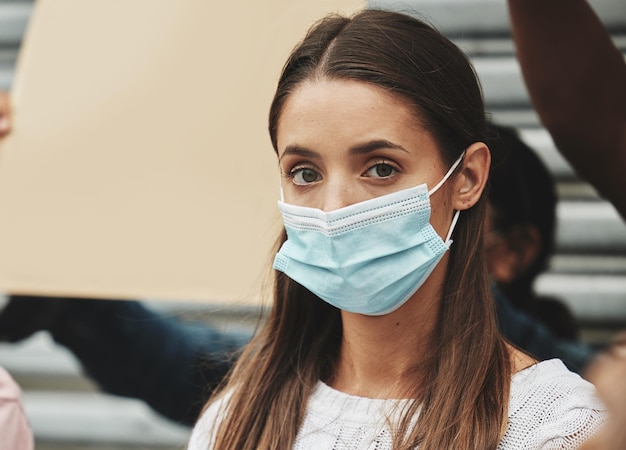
140	164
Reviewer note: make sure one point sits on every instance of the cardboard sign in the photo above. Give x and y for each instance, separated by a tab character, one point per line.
140	165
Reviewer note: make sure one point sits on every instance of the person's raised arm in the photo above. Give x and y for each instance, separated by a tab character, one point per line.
576	79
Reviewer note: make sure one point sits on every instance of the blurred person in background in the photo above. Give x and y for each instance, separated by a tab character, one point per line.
520	241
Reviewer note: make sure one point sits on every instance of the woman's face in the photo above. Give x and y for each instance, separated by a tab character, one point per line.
341	142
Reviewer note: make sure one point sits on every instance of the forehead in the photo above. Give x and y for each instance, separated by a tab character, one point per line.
347	109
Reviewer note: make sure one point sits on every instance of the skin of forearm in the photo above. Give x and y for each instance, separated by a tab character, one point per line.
576	79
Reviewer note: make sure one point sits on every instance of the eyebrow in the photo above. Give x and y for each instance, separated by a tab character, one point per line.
300	151
372	146
359	149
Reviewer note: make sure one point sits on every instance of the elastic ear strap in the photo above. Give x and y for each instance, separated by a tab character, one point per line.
452	225
447	175
282	196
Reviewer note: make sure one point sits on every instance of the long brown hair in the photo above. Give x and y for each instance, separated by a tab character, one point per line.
463	397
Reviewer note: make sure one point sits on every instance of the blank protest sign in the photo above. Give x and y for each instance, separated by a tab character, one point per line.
140	164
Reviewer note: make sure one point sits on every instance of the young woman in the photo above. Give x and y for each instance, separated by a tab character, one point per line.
382	332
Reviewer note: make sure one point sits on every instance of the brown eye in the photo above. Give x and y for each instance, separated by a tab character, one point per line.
305	175
381	170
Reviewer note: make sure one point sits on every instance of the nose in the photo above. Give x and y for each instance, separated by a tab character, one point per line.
337	195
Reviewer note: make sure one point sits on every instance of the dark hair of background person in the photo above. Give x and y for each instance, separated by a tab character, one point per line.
523	197
300	340
522	191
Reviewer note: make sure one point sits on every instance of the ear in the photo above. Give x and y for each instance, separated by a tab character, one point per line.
471	180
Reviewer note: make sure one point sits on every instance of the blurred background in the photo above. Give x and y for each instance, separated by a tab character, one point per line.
588	271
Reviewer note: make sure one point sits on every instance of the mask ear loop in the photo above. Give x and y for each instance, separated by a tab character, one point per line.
447	175
455	219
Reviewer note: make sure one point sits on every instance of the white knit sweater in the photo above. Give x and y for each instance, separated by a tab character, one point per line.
550	408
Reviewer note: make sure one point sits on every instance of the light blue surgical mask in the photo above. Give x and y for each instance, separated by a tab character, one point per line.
369	257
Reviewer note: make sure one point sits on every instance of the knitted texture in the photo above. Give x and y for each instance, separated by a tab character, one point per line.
550	408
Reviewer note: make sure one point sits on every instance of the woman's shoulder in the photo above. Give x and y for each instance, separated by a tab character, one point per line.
550	380
552	408
203	431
